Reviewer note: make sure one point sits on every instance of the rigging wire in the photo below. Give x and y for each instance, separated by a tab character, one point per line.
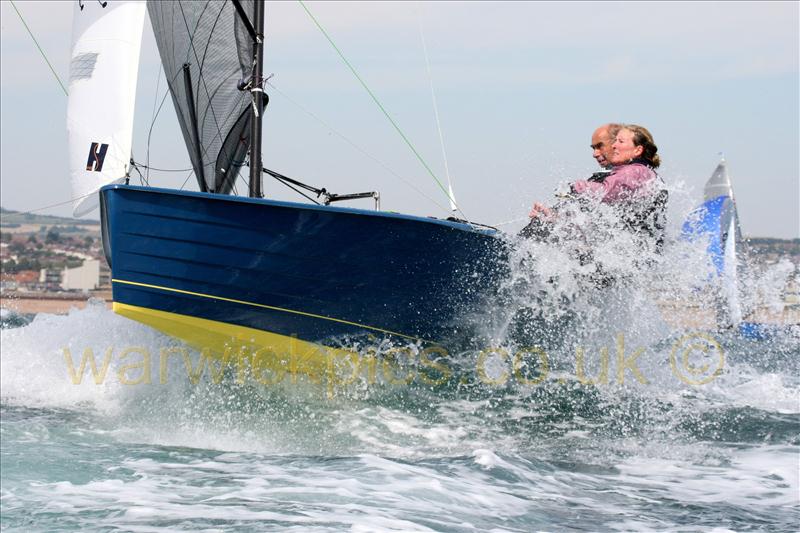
450	195
150	133
66	93
245	179
70	201
377	102
298	191
354	145
142	179
157	112
187	179
153	119
147	167
40	48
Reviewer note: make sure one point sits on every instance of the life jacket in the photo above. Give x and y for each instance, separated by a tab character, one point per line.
599	176
644	216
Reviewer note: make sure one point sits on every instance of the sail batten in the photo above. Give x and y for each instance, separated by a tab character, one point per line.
204	49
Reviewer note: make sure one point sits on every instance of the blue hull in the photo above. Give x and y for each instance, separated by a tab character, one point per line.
314	273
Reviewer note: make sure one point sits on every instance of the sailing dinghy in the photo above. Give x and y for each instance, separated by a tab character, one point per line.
717	222
218	270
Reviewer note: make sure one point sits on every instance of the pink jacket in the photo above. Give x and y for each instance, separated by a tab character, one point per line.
626	182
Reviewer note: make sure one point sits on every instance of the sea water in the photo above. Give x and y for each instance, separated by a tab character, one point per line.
588	414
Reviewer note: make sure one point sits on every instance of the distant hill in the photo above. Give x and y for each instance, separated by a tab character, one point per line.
772	248
12	218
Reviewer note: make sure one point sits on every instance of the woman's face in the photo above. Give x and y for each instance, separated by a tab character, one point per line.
623	149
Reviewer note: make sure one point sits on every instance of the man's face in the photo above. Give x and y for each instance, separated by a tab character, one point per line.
601	147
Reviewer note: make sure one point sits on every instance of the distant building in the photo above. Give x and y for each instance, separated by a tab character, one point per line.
86	277
50	278
93	274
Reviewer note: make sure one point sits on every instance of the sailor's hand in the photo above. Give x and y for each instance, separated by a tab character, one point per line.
541	211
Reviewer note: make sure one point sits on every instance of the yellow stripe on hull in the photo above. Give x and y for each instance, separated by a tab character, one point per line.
279	353
263	306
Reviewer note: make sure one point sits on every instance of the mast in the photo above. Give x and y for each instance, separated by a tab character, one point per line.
257	91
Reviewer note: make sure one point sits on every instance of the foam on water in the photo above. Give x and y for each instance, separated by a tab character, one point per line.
479	452
33	370
507	457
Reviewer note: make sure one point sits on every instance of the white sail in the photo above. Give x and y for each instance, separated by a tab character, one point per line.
106	40
732	310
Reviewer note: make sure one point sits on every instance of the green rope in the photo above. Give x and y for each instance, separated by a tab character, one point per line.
375	99
39	47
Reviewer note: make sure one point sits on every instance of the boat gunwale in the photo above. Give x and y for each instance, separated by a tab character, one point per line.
471	228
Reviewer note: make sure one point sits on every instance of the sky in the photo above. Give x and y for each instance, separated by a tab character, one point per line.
519	86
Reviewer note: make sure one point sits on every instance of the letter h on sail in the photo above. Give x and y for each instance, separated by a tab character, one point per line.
97	154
